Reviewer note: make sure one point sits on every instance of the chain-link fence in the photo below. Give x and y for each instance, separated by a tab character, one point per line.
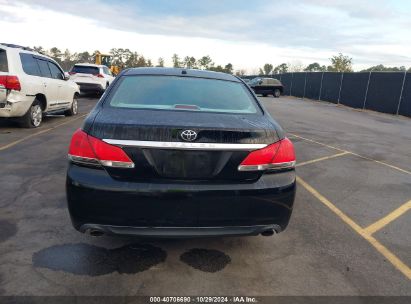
387	92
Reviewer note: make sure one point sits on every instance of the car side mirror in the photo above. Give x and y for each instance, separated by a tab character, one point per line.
260	82
66	77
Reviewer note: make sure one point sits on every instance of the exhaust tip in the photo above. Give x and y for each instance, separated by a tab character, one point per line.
95	232
269	232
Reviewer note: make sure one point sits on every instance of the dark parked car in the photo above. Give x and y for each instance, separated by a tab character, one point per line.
172	152
267	86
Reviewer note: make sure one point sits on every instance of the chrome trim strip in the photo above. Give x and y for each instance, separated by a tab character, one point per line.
83	160
96	162
184	145
117	164
268	167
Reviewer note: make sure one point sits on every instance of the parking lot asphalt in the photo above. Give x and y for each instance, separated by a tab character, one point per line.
349	233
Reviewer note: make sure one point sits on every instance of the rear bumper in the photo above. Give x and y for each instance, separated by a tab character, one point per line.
16	104
90	87
180	232
95	200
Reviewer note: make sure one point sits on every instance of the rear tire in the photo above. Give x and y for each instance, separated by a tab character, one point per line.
74	107
277	93
104	90
33	117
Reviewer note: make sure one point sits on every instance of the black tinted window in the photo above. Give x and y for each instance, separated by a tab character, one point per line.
44	68
85	69
29	64
56	73
182	93
4	67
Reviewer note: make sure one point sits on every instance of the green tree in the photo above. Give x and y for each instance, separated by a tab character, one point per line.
281	69
39	49
315	67
123	57
267	69
190	62
341	63
67	60
132	60
217	68
205	62
84	57
228	68
382	68
141	62
160	62
56	54
176	61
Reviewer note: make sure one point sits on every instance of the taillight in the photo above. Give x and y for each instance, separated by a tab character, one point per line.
10	82
88	150
99	75
277	156
72	73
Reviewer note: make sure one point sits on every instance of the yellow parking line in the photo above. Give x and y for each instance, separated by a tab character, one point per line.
318	143
353	153
388	218
392	258
321	159
12	144
381	163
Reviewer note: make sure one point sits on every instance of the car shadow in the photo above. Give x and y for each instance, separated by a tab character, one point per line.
12	123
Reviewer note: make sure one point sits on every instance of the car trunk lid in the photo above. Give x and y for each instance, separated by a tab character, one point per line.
153	140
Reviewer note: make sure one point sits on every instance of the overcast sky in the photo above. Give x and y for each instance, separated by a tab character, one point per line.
246	33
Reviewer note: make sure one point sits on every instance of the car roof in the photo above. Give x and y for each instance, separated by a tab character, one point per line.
20	49
89	64
15	46
180	72
26	50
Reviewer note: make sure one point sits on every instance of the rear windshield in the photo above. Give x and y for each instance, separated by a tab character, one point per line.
4	67
182	93
85	69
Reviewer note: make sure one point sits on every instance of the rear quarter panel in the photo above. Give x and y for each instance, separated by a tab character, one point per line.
2	94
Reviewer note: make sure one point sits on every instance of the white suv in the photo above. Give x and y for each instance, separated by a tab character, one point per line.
91	78
32	85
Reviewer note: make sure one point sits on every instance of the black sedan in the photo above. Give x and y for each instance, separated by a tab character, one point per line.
178	153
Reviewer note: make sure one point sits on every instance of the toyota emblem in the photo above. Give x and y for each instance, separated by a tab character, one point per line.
188	135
